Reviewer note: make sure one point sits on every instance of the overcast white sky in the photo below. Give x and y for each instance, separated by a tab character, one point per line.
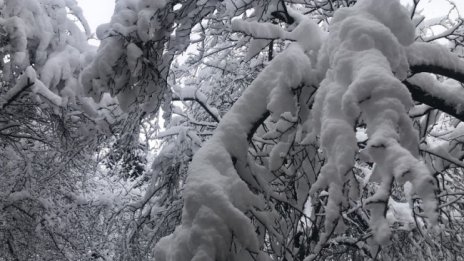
97	11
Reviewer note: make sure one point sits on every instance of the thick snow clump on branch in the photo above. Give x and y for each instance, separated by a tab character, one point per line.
215	196
365	61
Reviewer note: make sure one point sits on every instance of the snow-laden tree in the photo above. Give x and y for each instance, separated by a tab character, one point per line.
337	137
331	151
294	130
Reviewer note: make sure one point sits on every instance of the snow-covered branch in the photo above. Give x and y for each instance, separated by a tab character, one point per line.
435	98
436	59
215	195
202	104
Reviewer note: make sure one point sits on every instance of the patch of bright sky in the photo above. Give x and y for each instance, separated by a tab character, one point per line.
97	12
436	8
433	8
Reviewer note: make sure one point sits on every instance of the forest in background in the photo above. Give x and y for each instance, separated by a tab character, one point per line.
232	130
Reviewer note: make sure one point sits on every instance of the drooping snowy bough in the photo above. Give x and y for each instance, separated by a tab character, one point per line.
366	61
362	73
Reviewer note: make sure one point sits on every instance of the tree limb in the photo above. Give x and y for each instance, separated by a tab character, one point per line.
202	104
418	94
435	59
435	69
